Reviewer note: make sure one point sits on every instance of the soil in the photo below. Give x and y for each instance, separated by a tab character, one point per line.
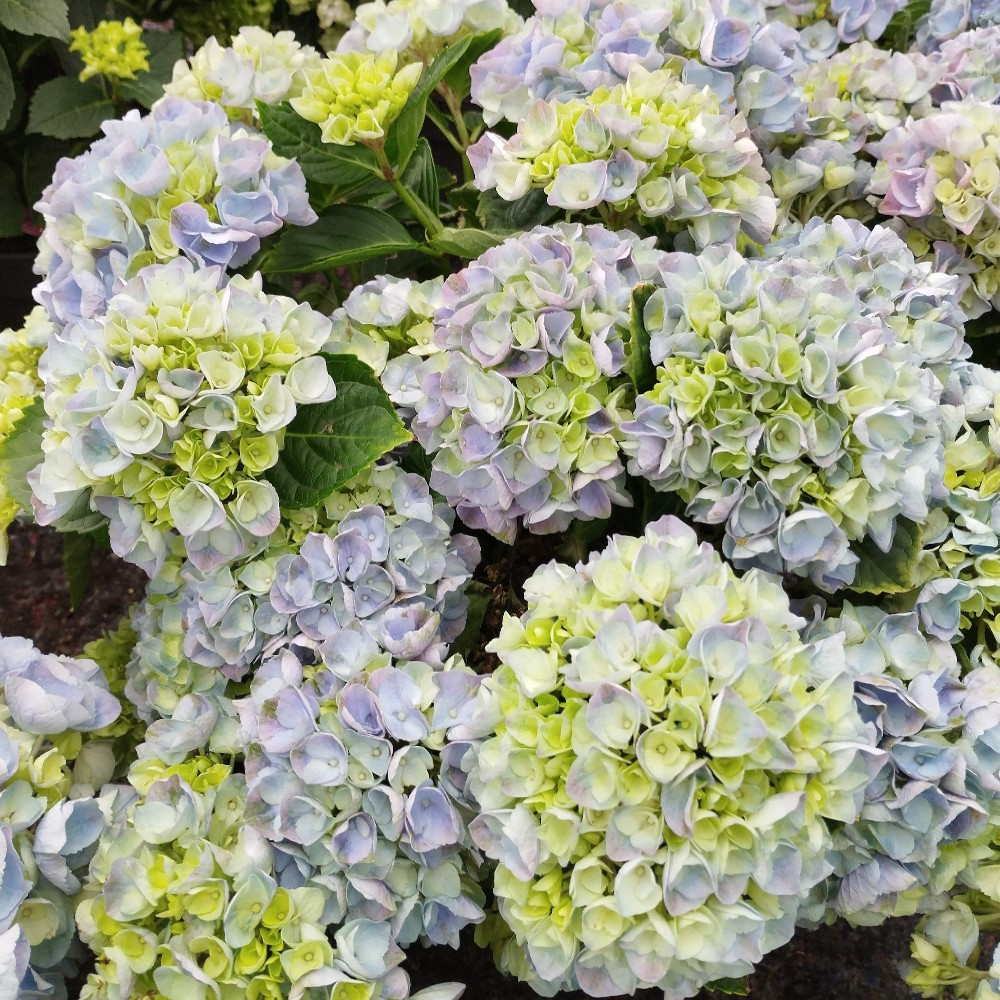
833	963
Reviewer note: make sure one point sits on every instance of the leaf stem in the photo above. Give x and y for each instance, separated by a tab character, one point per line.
454	105
420	210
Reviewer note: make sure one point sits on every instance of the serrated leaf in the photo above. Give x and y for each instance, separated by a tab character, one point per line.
340	167
36	17
888	572
6	90
65	108
77	552
465	243
346	234
329	443
638	362
515	216
21	452
421	176
165	48
401	138
733	987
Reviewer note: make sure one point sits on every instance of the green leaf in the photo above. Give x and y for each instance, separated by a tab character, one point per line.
36	17
77	552
329	443
6	90
479	602
401	139
465	243
21	452
515	216
457	78
888	572
638	363
341	167
421	177
733	987
65	108
165	48
346	234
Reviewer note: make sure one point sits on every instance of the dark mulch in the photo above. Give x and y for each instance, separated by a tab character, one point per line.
833	963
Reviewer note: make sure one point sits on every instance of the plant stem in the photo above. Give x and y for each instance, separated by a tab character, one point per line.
455	110
421	212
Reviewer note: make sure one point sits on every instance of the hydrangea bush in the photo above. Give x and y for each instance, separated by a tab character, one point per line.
703	293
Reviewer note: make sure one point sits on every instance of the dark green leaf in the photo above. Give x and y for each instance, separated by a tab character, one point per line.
165	48
401	139
479	602
65	108
733	987
36	17
465	243
515	216
346	234
421	176
639	364
77	552
888	572
329	443
324	162
6	90
457	78
21	452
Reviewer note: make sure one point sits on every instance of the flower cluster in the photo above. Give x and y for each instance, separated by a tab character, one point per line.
353	769
114	49
941	175
181	180
571	48
388	318
823	25
20	386
948	18
787	408
166	413
937	789
184	899
377	557
652	146
54	760
257	66
969	67
419	30
520	409
662	762
852	98
355	96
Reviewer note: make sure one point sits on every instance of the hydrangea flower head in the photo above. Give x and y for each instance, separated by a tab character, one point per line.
421	29
377	557
969	66
355	96
937	785
352	769
834	21
166	413
787	407
185	899
20	386
941	175
570	50
114	49
55	760
520	408
181	180
256	66
948	18
661	765
652	146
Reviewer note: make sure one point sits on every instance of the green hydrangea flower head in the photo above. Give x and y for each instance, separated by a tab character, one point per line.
114	49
